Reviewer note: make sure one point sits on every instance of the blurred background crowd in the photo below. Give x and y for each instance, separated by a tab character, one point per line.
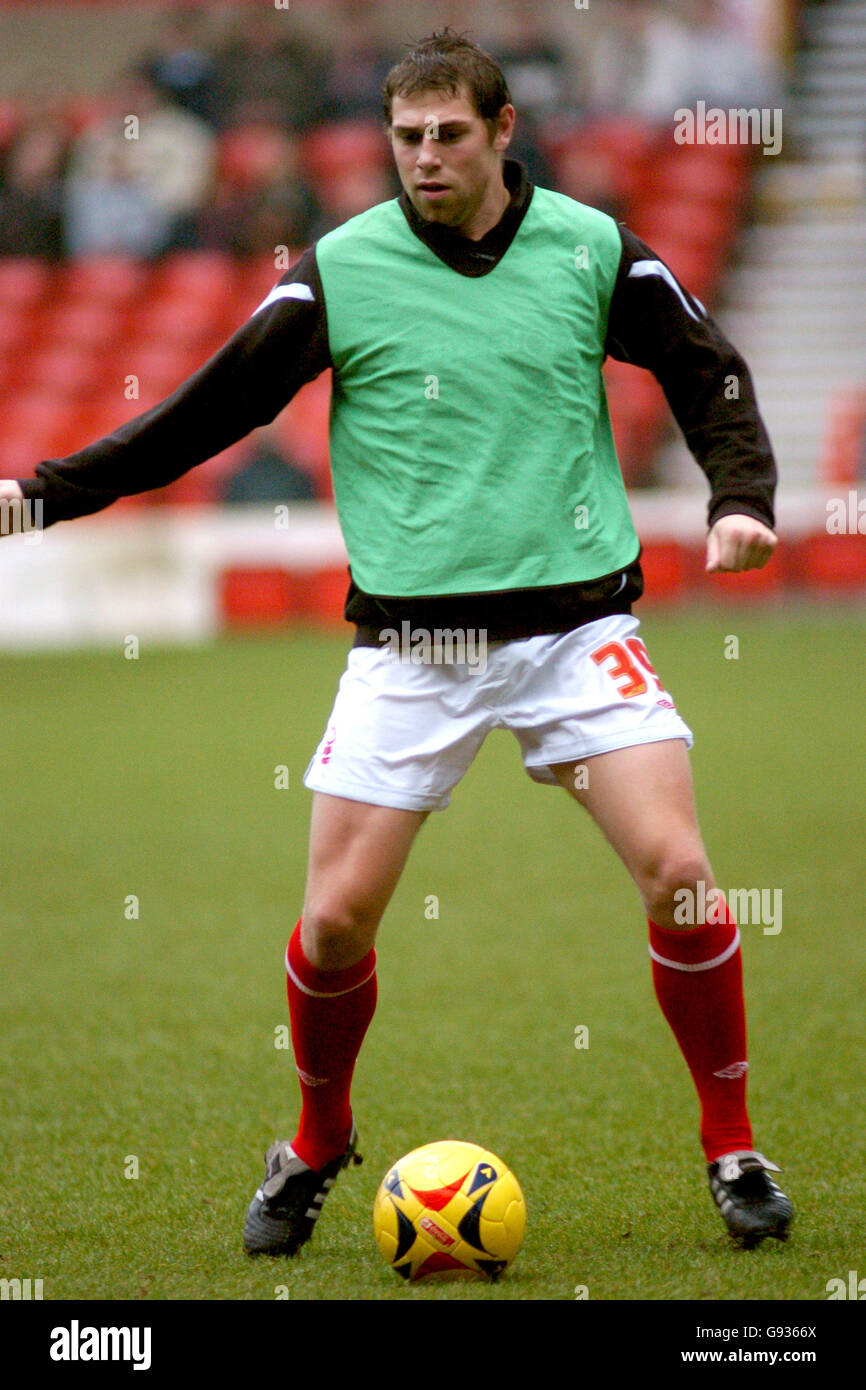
229	104
162	164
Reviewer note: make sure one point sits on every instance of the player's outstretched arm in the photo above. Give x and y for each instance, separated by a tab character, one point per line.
246	384
737	543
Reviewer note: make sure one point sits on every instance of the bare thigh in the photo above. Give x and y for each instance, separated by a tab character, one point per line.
642	799
357	854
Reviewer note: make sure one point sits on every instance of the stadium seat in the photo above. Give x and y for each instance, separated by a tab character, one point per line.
303	428
41	415
160	364
24	281
698	174
639	414
253	155
15	326
81	322
206	276
66	368
176	319
610	155
344	147
20	451
112	279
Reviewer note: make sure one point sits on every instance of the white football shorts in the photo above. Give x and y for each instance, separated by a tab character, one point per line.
404	730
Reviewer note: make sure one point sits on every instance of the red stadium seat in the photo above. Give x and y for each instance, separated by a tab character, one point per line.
688	220
254	155
206	276
112	279
24	281
639	414
9	372
303	427
20	451
160	366
698	174
81	322
103	414
15	326
66	368
602	158
344	147
42	416
177	320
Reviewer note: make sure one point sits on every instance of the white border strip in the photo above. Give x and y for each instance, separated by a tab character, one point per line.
321	993
703	965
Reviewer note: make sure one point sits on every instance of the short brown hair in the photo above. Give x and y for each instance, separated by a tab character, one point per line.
445	62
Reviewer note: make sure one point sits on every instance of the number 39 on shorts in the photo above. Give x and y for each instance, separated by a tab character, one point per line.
623	662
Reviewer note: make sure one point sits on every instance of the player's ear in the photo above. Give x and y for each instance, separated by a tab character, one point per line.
504	128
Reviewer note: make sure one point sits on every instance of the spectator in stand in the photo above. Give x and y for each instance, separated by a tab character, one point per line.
183	67
727	68
265	74
31	190
535	66
268	475
261	199
640	65
358	64
133	175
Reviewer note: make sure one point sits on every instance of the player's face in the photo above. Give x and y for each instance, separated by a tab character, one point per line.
449	165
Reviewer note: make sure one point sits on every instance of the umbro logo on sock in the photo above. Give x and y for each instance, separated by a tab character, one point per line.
312	1080
731	1073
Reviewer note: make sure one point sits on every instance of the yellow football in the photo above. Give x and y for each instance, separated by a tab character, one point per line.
449	1210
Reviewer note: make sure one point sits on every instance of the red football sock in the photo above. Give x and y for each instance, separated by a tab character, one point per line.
698	978
330	1011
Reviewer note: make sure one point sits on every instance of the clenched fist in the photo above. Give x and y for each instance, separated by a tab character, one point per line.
738	543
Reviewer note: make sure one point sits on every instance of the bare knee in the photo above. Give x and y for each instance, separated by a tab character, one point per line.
670	881
335	935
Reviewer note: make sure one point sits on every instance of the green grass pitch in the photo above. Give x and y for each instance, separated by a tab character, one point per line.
148	1043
